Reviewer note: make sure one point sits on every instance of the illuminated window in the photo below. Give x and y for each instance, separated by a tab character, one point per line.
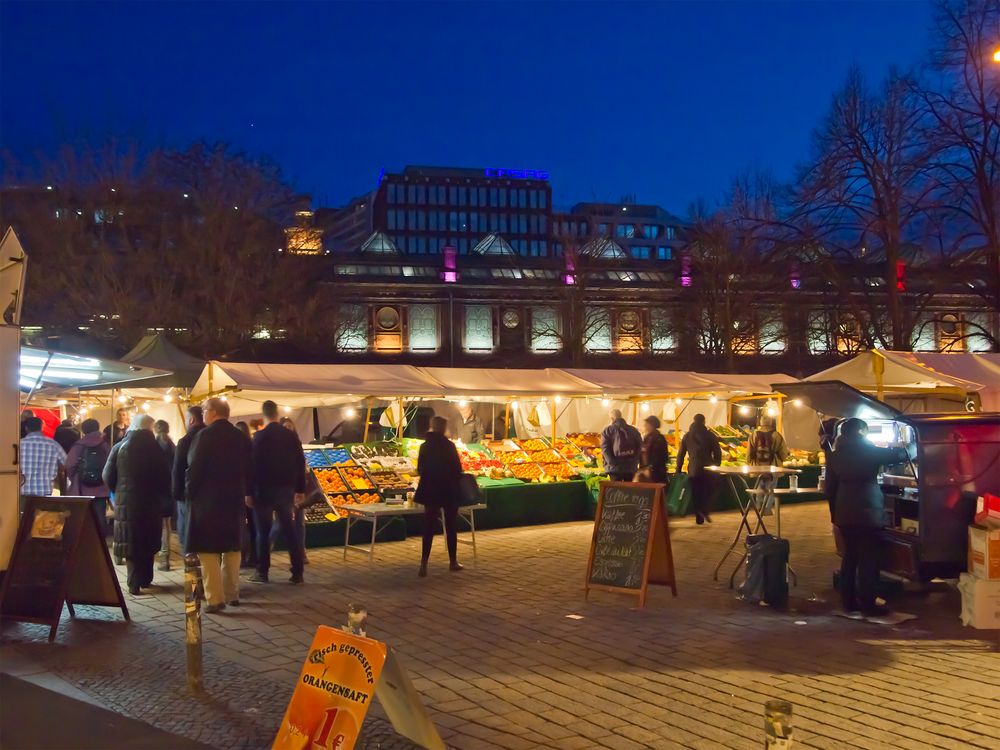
661	334
478	328
651	231
923	336
772	337
950	333
629	332
545	330
352	329
597	333
977	328
848	335
423	328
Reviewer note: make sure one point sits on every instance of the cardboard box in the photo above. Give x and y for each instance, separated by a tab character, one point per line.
984	551
980	602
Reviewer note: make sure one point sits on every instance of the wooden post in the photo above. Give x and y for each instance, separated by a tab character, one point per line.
780	421
878	367
194	593
506	421
553	420
368	418
399	426
635	412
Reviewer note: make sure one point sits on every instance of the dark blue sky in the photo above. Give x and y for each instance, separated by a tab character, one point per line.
665	101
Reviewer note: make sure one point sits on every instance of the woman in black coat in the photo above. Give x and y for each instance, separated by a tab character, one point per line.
138	474
440	471
655	453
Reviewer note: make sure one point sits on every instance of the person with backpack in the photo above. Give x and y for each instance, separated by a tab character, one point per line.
621	446
84	465
767	446
701	448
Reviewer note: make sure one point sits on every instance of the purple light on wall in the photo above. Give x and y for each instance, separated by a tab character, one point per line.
449	277
450	258
795	278
569	279
685	270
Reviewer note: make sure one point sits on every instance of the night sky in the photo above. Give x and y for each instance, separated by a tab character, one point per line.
665	101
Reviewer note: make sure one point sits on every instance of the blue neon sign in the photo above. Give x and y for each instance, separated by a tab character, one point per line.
519	174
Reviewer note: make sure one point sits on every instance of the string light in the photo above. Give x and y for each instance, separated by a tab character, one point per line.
771	411
796	402
462	404
286	409
145	406
745	410
62	402
223	399
558	399
122	399
645	406
605	402
350	412
514	404
678	401
168	398
713	399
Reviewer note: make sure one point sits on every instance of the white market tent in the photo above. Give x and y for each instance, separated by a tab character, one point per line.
472	382
918	382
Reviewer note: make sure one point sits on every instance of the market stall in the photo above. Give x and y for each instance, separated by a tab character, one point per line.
931	500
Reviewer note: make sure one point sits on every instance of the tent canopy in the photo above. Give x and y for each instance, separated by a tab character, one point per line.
156	350
330	385
919	373
42	368
468	381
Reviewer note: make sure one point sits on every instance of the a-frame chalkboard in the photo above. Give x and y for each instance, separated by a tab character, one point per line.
60	557
630	548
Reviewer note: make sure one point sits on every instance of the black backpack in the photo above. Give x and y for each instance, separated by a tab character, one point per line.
91	466
624	443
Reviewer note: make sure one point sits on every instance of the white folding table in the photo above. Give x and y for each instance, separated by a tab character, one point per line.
380	515
752	504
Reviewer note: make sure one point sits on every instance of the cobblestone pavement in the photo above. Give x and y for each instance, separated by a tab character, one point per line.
501	665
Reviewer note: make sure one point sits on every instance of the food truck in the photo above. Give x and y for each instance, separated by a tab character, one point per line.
931	500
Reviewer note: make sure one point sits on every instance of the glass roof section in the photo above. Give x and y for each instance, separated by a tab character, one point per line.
379	243
494	244
603	247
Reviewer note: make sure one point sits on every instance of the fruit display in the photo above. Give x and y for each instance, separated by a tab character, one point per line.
502	446
388	463
373	450
527	472
330	481
339	498
533	444
389	480
339	457
510	458
320	514
584	439
726	433
802	458
367	498
317	459
560	470
546	456
356	478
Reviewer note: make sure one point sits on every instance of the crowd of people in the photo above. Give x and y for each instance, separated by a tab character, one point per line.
220	488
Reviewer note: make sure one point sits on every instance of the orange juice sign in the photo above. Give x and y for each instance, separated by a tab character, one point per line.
333	693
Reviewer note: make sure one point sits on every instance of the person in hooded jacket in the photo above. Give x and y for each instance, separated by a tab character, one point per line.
858	512
701	448
138	474
85	464
655	452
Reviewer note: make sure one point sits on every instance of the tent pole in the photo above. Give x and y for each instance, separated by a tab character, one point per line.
878	367
368	419
399	425
315	423
635	412
210	376
506	421
553	420
780	421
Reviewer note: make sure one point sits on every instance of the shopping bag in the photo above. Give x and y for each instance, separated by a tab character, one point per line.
468	491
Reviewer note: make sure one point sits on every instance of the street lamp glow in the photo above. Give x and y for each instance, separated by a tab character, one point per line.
796	402
713	399
996	56
122	399
745	411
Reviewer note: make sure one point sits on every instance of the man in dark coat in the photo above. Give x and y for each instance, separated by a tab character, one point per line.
195	424
66	434
219	477
621	448
440	471
279	471
858	510
701	448
138	474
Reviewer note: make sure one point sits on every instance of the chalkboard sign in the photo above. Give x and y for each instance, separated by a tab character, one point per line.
630	547
59	558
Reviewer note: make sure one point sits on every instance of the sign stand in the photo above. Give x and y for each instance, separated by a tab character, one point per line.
630	547
60	557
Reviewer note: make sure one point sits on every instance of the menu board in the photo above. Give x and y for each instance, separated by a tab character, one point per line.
59	557
622	532
630	547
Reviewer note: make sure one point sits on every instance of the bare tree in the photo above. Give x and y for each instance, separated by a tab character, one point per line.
961	93
868	186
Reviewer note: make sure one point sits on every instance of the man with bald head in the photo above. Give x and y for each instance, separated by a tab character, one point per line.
219	476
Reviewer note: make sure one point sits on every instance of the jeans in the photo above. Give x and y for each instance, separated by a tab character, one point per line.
431	515
268	504
183	512
859	567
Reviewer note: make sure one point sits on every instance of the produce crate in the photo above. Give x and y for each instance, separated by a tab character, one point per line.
526	471
330	480
533	444
317	458
512	458
356	478
339	457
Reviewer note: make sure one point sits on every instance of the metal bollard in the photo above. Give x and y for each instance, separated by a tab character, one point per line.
777	725
194	594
